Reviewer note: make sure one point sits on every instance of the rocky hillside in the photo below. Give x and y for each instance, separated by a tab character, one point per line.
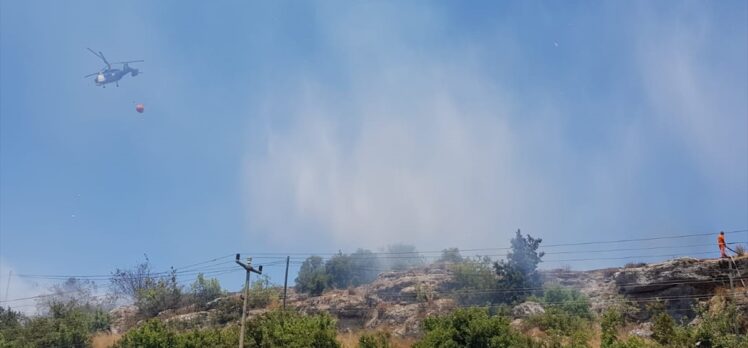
398	301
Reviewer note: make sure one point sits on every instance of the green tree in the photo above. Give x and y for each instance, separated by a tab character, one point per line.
339	269
366	267
518	275
312	278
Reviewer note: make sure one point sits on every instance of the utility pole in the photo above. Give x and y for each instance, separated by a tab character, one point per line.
10	274
285	283
247	267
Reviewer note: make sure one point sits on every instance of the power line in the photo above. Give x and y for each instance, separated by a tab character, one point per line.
509	248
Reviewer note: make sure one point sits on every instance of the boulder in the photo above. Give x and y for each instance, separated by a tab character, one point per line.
527	309
643	330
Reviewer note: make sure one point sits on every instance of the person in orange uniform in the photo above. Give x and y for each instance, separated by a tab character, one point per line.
722	244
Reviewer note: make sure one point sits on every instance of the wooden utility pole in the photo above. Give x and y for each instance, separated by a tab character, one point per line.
247	267
285	283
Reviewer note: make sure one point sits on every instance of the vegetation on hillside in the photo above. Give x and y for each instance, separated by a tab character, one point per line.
73	311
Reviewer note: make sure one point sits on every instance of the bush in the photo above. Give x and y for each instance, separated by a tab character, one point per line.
165	293
312	277
339	270
374	340
567	317
474	281
611	320
402	257
569	301
450	255
633	342
366	267
292	330
518	275
717	328
261	294
562	326
739	250
151	293
153	334
663	328
204	290
65	325
273	329
228	310
470	327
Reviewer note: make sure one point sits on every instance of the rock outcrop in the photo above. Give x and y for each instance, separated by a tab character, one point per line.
527	309
399	301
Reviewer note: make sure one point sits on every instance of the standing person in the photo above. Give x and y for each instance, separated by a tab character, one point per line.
722	244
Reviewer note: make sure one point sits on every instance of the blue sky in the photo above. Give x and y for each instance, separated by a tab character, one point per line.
323	126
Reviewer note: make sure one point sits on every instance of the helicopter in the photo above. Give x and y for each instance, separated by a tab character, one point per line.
108	74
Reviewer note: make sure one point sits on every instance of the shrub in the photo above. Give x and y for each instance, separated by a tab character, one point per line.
470	327
474	281
562	326
366	267
204	290
375	340
228	310
153	334
611	320
567	317
261	294
739	250
403	257
450	255
273	329
570	301
663	328
312	277
165	293
717	328
151	293
518	274
633	342
292	330
339	270
156	334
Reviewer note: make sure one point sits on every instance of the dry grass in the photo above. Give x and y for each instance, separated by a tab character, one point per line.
350	340
104	340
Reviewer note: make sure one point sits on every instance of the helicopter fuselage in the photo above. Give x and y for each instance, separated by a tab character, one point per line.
109	74
113	75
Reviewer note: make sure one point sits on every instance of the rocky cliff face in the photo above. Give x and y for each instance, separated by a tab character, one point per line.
679	284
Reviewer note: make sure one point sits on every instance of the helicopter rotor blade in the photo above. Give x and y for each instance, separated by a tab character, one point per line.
89	75
101	56
129	61
109	66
